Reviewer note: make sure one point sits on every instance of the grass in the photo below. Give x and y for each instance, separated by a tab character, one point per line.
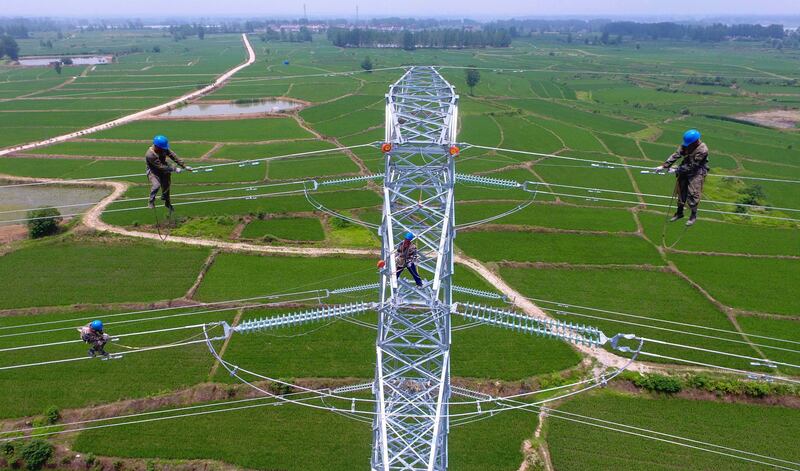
218	228
238	276
310	167
756	284
28	391
61	273
559	216
216	436
652	294
117	149
285	228
599	117
754	428
241	130
558	248
711	236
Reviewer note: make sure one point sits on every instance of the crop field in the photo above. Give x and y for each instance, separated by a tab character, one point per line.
586	240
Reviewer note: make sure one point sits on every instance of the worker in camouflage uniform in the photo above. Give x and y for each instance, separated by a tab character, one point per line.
691	173
159	172
406	257
93	334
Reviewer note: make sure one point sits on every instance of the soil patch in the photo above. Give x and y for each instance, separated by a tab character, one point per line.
781	119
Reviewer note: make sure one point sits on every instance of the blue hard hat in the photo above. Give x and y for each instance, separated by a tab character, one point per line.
286	62
690	137
96	325
161	142
409	236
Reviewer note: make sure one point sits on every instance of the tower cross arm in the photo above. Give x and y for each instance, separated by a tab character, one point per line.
578	334
333	312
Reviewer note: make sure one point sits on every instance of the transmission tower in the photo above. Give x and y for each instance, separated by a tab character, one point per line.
412	374
412	368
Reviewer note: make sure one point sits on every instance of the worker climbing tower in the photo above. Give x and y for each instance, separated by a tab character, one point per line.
412	377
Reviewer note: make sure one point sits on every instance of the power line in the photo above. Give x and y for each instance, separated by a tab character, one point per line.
71	360
615	164
651	195
749	374
241	163
606	311
672	439
657	205
694	334
113	338
139	208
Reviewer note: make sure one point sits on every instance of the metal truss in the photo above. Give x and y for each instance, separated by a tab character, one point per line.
412	373
412	377
298	318
568	331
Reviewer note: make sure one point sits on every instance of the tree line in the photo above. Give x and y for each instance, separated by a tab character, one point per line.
302	35
710	33
429	38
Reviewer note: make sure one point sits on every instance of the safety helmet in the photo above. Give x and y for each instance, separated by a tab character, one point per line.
96	325
161	142
409	236
690	137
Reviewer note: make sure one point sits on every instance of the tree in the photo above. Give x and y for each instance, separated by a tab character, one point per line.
366	64
473	76
43	222
201	32
36	453
9	47
408	40
57	67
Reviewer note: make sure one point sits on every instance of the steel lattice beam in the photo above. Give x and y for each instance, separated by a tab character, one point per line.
412	378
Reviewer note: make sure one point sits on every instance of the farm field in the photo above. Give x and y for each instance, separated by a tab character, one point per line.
267	229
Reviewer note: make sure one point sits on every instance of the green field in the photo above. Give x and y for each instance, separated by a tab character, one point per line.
727	285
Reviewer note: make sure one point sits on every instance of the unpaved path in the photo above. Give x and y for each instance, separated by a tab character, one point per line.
220	81
92	219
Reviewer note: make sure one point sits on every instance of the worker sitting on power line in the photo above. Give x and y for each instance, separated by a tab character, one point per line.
159	172
92	333
406	257
691	173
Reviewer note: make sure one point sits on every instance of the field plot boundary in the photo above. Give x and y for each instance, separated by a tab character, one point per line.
219	82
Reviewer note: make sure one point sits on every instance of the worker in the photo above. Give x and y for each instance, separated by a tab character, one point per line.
92	333
691	173
406	257
159	172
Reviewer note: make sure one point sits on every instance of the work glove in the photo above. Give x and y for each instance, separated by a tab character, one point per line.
178	170
659	169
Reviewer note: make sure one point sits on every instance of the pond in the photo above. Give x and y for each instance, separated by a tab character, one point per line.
203	110
36	61
14	202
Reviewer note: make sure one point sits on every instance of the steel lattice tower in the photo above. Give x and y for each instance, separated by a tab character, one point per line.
412	377
412	372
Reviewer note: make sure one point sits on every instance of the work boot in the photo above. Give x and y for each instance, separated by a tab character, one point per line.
692	218
91	353
104	353
151	204
678	215
169	207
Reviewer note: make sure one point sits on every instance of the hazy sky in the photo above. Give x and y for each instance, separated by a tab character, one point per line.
346	9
